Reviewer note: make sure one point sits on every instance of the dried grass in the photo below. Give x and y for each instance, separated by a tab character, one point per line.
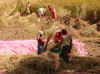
42	64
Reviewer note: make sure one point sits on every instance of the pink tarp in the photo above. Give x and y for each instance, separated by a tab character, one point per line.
1	72
30	46
80	48
18	47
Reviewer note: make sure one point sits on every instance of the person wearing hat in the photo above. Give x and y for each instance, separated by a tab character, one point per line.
41	42
41	12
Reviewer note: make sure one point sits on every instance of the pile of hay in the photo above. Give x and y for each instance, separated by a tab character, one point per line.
98	26
47	63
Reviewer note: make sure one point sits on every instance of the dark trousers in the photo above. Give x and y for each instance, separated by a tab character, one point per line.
40	49
64	54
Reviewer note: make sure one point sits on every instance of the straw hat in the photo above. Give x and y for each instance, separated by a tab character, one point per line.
40	32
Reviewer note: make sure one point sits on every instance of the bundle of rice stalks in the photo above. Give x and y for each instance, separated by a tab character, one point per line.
64	19
79	24
74	33
87	32
98	26
42	64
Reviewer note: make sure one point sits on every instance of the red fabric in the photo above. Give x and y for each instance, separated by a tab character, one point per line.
58	37
40	40
53	13
69	54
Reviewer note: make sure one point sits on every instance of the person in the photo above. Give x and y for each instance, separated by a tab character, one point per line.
53	12
41	42
41	12
28	8
57	40
66	45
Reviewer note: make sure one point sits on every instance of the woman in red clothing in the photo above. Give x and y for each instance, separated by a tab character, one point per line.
53	13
